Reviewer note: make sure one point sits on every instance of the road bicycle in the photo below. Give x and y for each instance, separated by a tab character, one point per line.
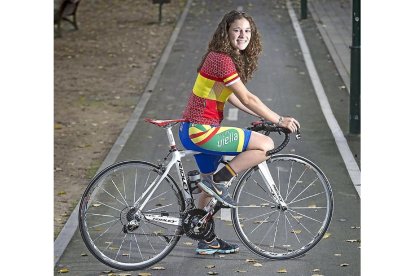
133	213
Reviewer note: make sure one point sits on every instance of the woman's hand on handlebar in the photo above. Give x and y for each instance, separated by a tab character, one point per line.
290	123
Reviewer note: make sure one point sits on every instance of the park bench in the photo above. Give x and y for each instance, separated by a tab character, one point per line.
65	10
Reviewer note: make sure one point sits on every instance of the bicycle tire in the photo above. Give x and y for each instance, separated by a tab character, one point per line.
309	198
106	208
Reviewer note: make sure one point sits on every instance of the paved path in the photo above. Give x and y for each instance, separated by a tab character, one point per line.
284	83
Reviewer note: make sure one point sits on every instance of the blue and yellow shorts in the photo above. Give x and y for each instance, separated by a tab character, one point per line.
212	143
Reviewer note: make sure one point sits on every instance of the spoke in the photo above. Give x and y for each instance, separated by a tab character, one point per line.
123	183
89	227
258	197
301	224
157	196
268	231
100	215
119	250
261	215
135	183
293	230
305	189
306	216
139	249
278	178
290	177
266	192
99	202
114	197
146	182
305	198
116	187
112	239
104	231
130	248
297	181
263	221
146	236
274	238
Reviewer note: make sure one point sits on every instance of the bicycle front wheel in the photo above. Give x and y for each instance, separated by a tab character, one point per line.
114	229
274	232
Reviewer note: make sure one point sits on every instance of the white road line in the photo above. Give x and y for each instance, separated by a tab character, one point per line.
233	114
342	144
71	225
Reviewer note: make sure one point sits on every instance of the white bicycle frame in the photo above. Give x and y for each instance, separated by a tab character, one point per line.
176	159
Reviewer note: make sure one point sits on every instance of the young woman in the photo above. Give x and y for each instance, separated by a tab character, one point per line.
230	61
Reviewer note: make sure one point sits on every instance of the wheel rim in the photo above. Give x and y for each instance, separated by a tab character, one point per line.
272	232
109	227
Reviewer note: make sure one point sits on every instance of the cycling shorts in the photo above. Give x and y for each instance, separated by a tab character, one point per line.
213	142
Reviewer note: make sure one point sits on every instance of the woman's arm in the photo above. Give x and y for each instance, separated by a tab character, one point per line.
237	103
254	104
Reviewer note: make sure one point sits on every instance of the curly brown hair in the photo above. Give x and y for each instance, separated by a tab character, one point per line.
245	60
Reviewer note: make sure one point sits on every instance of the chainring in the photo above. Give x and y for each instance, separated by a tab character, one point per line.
190	222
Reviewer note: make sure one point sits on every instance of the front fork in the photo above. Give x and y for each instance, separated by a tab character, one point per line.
271	185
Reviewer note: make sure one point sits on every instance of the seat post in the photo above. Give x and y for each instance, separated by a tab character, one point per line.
170	136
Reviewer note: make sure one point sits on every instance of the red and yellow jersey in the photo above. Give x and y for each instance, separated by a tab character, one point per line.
210	92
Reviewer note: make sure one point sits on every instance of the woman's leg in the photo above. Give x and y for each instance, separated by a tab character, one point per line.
204	198
258	145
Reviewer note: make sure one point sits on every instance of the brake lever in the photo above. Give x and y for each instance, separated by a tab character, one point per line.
298	135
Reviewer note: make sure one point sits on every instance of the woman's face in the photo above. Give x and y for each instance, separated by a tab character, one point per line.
240	33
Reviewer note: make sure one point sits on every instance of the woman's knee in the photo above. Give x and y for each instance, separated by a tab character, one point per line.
260	142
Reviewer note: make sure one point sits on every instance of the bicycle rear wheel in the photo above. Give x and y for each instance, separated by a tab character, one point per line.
111	226
272	232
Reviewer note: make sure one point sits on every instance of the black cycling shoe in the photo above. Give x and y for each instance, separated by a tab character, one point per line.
216	246
218	190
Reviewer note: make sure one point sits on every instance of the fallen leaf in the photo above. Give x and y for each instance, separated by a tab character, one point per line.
344	264
326	235
257	264
125	254
124	274
96	204
282	270
250	260
210	266
84	254
260	221
353	241
158	268
61	193
144	274
212	273
58	126
296	231
63	270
